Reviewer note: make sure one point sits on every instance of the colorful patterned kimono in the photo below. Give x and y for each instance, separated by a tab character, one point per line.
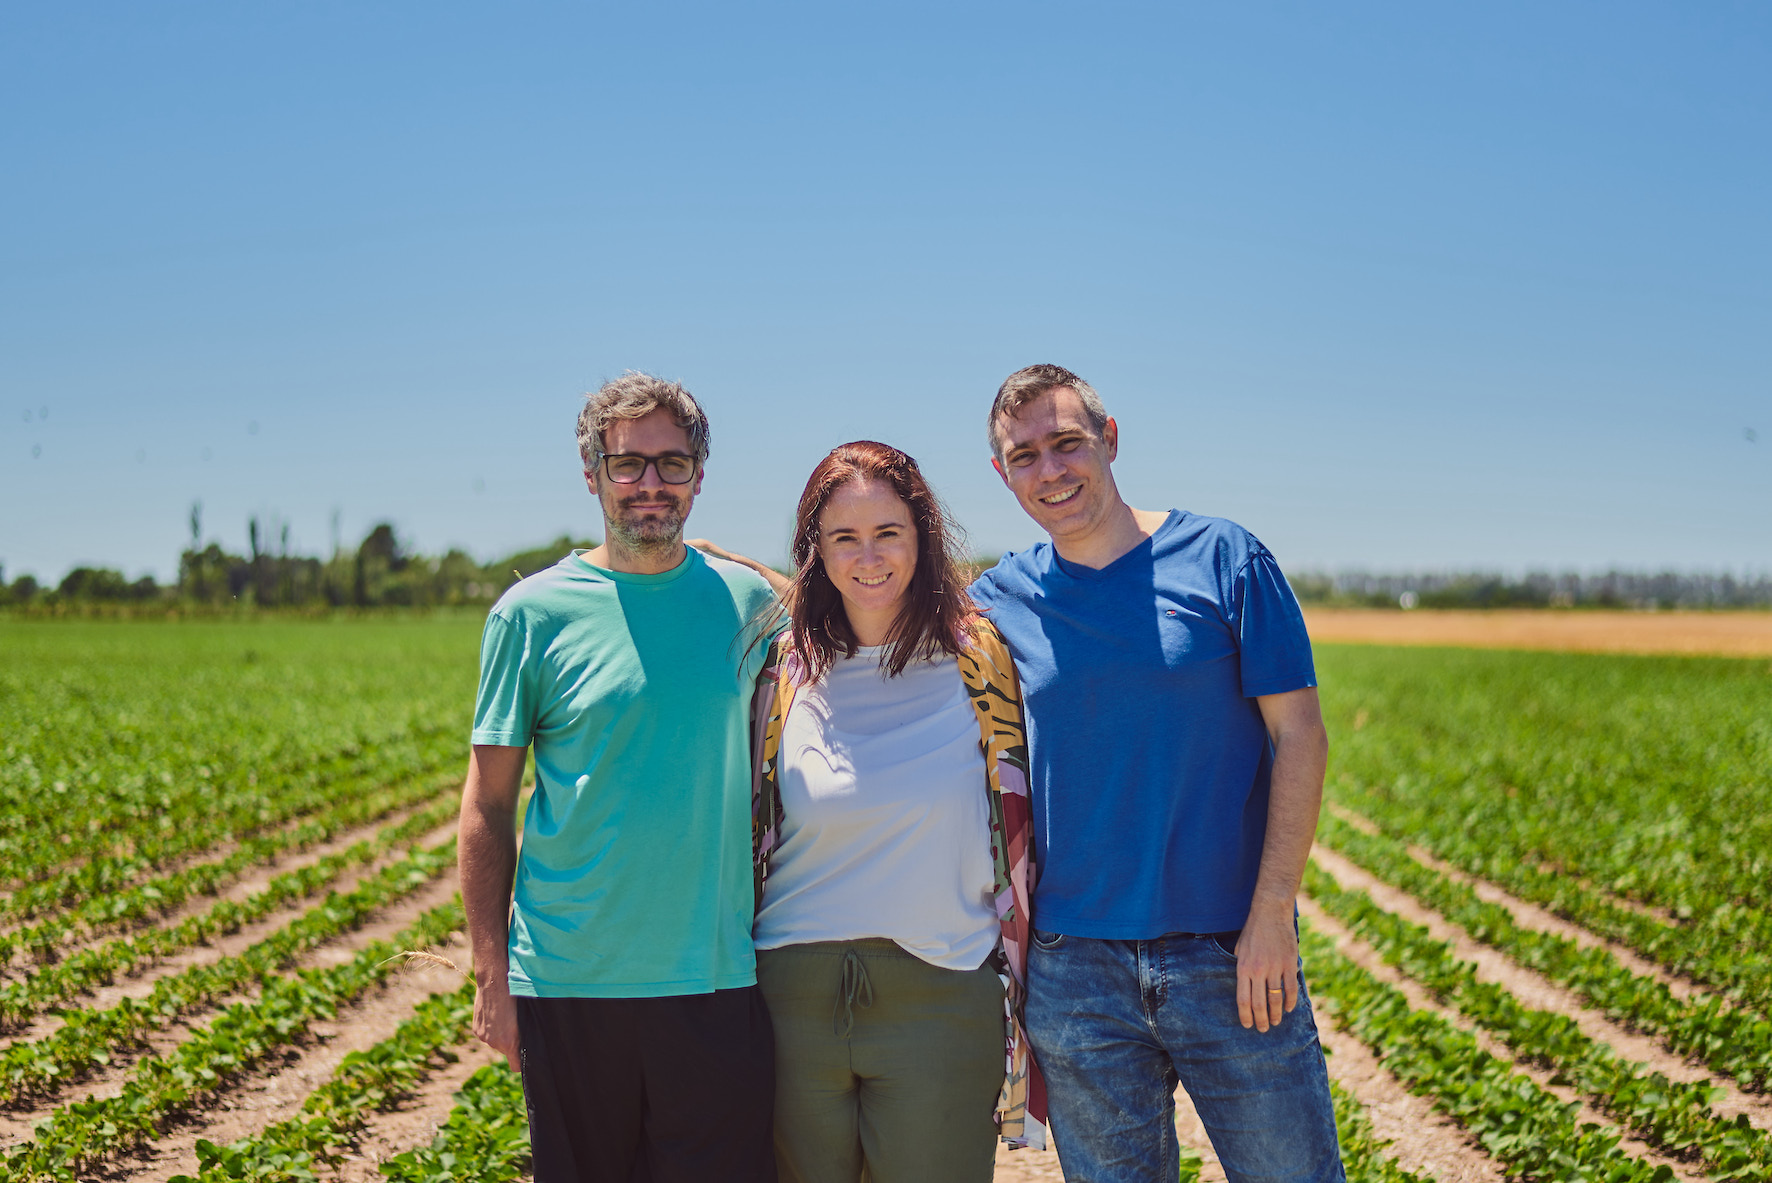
990	681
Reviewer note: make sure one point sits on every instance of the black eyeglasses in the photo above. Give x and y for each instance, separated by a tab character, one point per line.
674	468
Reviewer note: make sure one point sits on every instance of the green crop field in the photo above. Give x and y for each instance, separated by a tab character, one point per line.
217	837
1628	797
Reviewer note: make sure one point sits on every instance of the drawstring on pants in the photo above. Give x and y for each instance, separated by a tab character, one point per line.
852	987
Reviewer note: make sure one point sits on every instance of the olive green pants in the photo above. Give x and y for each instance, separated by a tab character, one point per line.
887	1068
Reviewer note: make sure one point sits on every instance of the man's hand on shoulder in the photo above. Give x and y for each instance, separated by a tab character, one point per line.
778	583
1267	967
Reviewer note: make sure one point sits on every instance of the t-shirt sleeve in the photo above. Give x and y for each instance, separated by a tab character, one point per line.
504	708
763	610
771	613
1275	648
761	616
983	592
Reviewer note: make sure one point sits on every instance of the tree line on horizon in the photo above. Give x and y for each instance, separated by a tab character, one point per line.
381	572
1611	589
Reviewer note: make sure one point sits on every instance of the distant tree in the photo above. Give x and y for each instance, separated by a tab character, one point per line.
380	557
103	583
382	543
457	579
92	583
286	574
211	575
527	562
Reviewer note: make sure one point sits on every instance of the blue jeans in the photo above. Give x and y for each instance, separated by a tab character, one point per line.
1115	1025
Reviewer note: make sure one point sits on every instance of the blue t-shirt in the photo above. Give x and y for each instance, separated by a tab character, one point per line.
635	874
1150	760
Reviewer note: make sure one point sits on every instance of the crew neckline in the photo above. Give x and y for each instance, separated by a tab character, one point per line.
638	578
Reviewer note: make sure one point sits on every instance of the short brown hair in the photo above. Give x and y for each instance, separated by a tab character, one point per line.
937	616
1029	383
629	397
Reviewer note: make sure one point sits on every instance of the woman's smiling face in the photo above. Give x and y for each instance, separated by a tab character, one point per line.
867	539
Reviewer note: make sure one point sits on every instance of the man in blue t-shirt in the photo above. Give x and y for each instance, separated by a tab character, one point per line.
1177	756
614	958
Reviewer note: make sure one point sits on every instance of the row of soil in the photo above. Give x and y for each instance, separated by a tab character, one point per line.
1419	999
102	961
1423	1141
276	1089
1535	991
16	1127
142	984
291	1060
60	935
158	846
1424	1146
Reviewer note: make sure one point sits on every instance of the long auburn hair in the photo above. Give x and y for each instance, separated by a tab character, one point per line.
937	615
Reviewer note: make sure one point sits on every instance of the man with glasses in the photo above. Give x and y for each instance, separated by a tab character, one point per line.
614	958
1177	758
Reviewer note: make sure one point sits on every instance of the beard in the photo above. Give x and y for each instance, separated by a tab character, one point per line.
644	525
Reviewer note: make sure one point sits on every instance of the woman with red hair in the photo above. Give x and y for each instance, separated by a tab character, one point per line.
893	842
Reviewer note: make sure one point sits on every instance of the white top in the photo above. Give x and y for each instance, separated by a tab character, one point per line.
886	830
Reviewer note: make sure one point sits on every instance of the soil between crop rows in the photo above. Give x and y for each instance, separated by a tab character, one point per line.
1420	1138
1368	959
368	1020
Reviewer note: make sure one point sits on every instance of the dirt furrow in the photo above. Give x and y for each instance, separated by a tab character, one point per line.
1041	1166
255	879
1027	1166
15	1124
209	854
413	1121
1363	955
1530	915
252	880
275	1090
1536	991
142	984
1422	1139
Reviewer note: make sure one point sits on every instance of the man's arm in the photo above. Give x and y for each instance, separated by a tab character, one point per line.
1267	952
778	582
487	852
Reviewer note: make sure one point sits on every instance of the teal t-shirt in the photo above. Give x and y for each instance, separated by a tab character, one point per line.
635	874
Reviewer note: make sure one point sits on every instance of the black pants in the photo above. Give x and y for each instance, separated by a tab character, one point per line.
650	1090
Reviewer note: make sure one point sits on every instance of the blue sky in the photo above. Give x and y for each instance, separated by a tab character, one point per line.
1396	286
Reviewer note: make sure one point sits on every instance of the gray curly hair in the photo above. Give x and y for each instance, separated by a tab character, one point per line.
630	396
